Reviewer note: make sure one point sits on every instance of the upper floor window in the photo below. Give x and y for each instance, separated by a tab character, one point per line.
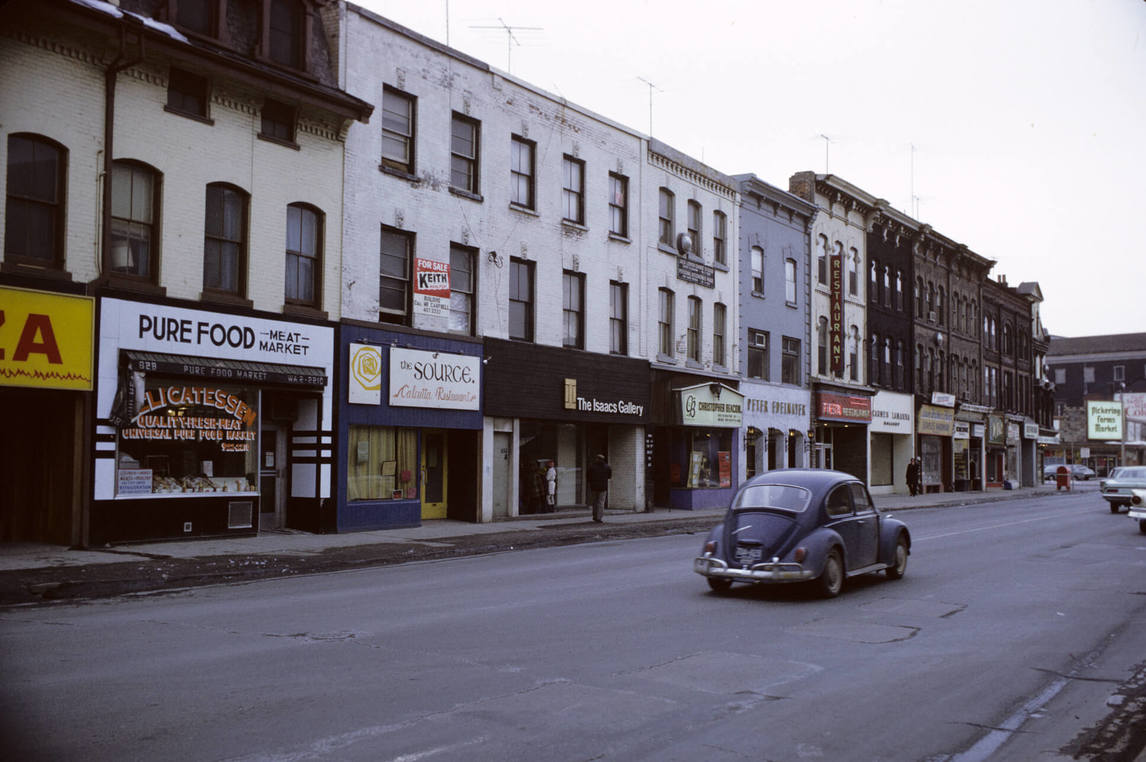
694	227
573	309
757	264
822	260
1119	372
397	130
522	179
618	318
520	299
758	354
790	361
34	209
464	134
853	272
462	288
719	318
939	305
694	325
619	205
822	346
304	255
664	322
197	16
886	287
919	297
134	215
790	281
873	369
225	240
285	33
395	269
573	189
899	290
853	353
873	281
278	121
666	226
187	93
719	238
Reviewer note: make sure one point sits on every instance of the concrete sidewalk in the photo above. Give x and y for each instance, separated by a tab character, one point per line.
431	535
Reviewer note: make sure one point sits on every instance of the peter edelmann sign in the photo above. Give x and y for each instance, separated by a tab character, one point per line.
1103	420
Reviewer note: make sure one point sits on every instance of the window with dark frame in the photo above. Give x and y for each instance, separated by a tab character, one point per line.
187	93
618	205
304	255
758	364
398	130
757	265
134	213
822	346
790	281
822	260
573	309
692	336
694	213
873	368
278	121
197	16
285	43
790	360
719	238
522	178
225	240
618	318
853	272
34	208
666	229
664	322
464	141
463	263
573	189
396	267
521	299
719	320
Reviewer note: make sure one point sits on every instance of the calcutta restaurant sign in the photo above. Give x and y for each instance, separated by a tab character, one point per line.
434	379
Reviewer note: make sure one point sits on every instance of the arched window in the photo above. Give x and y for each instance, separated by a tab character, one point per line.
939	305
822	260
919	297
822	346
853	273
225	240
304	237
34	209
873	360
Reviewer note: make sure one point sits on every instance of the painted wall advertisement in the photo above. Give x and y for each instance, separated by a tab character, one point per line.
939	421
1103	420
45	339
420	378
431	287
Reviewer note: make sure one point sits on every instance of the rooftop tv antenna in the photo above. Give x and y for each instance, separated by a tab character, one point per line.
827	156
651	88
510	39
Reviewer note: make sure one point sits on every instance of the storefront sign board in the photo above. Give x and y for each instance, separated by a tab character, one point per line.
836	321
45	339
364	378
1030	430
892	413
711	405
850	408
420	378
1103	420
938	421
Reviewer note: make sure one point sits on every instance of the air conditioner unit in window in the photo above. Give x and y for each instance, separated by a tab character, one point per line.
931	316
759	340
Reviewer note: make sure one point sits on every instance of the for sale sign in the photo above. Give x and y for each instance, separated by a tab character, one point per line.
431	287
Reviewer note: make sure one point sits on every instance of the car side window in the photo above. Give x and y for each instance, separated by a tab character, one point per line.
860	497
839	502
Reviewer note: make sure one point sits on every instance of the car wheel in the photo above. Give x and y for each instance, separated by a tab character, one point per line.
718	585
831	580
1114	507
896	570
1142	526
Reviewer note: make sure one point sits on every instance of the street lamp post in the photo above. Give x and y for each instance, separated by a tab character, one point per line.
1122	402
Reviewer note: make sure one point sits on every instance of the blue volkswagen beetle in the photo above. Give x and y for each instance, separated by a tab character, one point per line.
803	525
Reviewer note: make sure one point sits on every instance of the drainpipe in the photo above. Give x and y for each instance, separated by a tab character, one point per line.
111	75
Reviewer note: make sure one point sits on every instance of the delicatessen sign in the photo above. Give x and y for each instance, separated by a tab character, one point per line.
188	439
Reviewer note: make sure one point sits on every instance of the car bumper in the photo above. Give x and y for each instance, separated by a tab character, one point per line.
765	571
1117	497
1138	514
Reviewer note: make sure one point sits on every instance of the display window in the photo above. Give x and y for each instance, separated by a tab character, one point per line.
382	463
188	438
703	458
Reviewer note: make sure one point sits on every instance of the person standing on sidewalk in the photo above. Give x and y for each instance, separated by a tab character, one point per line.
913	476
599	475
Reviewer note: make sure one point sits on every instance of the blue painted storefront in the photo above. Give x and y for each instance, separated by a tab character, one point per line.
463	426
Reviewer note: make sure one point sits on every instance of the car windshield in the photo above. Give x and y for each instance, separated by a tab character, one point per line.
782	496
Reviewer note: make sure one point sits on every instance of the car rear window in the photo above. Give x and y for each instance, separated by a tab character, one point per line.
1132	473
782	496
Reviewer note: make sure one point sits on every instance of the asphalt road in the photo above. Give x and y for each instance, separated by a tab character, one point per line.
1014	635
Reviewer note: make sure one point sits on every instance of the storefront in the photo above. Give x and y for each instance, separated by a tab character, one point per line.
46	376
841	428
209	423
996	451
892	444
1014	463
970	447
547	405
1029	474
409	434
935	425
775	423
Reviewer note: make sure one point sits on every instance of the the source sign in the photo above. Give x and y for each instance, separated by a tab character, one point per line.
434	379
1103	420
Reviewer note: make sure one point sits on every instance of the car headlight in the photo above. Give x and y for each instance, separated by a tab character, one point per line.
710	546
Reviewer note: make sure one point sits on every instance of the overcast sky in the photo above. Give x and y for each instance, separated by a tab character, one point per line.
1027	117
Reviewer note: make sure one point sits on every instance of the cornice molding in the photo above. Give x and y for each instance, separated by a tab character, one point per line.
661	161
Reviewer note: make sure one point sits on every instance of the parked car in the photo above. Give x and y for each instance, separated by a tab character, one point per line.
1119	487
1081	472
1138	508
803	525
1050	472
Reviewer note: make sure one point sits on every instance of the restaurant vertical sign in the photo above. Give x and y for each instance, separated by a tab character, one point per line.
837	320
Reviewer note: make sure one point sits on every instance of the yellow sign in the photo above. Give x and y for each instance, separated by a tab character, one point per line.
45	339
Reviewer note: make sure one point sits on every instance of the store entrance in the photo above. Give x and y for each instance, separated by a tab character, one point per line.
272	476
434	473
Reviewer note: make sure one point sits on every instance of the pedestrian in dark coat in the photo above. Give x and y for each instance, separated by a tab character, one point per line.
913	476
599	475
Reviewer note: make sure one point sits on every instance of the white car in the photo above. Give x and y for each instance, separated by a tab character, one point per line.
1138	508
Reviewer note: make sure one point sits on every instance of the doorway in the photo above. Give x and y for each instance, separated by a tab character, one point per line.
501	451
272	477
434	474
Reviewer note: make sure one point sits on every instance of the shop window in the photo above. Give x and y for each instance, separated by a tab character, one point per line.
395	268
34	209
462	285
184	438
225	240
397	130
382	463
134	213
304	255
701	459
464	143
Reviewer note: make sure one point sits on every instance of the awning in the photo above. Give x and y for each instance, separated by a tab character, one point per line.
232	371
